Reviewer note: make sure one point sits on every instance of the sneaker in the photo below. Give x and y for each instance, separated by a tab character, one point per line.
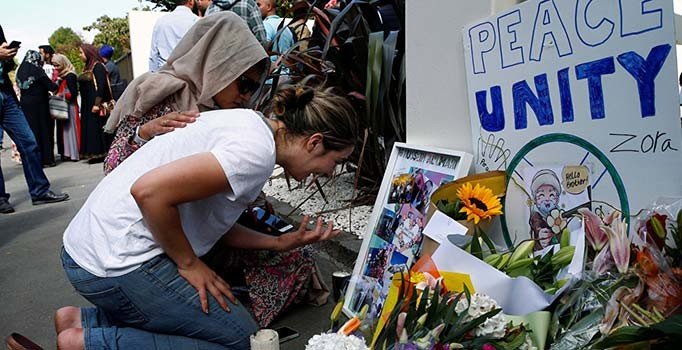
50	197
5	207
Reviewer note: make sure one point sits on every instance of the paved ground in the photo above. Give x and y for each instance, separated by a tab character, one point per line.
33	284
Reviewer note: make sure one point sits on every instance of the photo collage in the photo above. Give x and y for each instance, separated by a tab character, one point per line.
397	233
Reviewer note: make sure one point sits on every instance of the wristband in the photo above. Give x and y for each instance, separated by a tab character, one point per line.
136	138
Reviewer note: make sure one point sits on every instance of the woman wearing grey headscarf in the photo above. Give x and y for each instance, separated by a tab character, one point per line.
215	52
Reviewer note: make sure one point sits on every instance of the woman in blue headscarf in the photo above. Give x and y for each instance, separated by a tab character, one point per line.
35	86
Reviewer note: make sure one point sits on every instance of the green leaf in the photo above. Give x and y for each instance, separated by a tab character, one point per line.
486	239
627	335
671	326
514	343
420	310
389	47
431	320
374	62
455	326
476	246
465	328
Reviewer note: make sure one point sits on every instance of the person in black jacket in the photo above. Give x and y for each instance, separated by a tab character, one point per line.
35	88
13	121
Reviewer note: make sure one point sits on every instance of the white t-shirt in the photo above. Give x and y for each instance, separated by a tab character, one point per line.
108	237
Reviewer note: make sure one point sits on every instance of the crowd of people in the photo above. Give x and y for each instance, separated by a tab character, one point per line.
157	244
31	125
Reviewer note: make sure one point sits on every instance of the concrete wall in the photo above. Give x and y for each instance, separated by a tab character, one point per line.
437	107
141	27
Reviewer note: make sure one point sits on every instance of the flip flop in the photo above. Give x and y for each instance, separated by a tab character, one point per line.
16	341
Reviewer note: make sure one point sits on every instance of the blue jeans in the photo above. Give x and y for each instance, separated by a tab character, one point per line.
153	307
13	121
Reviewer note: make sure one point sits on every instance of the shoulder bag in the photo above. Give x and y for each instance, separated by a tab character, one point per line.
105	107
59	108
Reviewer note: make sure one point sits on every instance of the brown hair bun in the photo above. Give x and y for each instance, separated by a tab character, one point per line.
306	110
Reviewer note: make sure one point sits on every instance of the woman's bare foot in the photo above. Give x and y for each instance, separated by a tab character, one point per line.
67	317
71	339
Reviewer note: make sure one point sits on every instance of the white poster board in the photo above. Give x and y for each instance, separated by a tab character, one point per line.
578	82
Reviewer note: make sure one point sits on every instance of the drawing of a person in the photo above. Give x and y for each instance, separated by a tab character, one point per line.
545	189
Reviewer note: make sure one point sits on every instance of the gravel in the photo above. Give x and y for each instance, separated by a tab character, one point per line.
338	192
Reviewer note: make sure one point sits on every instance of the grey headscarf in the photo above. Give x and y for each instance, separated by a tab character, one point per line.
214	52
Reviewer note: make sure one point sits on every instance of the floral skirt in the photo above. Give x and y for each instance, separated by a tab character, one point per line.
275	280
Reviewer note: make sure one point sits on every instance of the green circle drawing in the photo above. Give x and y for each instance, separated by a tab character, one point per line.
572	139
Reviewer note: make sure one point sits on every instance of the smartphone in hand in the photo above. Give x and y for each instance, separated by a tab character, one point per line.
272	221
14	44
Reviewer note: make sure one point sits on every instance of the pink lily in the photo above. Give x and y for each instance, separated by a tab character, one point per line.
619	244
435	333
403	339
614	216
400	324
593	230
603	262
430	282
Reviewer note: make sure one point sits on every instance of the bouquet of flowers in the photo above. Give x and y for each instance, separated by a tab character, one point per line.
428	316
476	203
631	291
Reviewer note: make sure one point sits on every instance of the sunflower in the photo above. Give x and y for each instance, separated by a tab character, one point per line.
478	202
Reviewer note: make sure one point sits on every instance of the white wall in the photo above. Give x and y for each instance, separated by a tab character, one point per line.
141	26
437	105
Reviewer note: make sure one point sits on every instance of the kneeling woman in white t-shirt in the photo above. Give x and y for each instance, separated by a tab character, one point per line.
132	250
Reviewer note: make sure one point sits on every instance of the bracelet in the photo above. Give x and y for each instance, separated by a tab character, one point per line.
135	138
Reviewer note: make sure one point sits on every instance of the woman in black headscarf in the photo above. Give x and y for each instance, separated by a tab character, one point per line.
35	86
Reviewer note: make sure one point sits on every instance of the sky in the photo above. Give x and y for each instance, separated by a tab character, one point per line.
33	21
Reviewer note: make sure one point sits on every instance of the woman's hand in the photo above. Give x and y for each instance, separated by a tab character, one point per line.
303	236
167	123
202	278
95	109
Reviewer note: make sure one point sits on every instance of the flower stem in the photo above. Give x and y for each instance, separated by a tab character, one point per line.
659	316
634	315
486	239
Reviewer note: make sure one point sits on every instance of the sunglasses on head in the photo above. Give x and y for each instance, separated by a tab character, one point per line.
246	85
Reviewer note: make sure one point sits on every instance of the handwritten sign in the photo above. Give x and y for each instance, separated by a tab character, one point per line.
580	82
575	179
